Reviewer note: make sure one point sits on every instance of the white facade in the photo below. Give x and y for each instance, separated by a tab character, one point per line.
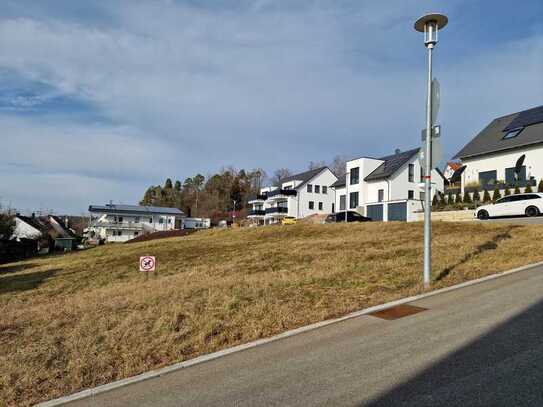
196	223
119	223
403	185
501	161
297	198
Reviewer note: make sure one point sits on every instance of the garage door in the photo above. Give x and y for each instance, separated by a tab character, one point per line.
375	212
397	211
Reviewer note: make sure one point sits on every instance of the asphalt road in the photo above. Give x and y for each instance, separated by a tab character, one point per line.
477	346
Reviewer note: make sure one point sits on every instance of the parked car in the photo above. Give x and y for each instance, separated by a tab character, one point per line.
352	216
513	205
289	220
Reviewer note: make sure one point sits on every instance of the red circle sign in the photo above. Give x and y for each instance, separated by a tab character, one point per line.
147	263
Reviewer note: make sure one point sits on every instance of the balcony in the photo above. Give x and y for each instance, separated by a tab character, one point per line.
257	198
277	210
281	194
255	213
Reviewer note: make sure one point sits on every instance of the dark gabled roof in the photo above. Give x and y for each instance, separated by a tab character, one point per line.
391	164
303	176
490	139
32	222
341	182
63	232
135	209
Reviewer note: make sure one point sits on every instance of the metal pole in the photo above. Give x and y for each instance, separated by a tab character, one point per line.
428	178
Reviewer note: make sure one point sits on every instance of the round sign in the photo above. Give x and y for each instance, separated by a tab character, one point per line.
147	263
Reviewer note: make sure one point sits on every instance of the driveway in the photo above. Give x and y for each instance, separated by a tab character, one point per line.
478	346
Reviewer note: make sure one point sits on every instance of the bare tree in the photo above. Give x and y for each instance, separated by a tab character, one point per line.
338	165
313	165
279	175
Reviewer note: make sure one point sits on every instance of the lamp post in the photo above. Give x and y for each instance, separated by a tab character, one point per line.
429	24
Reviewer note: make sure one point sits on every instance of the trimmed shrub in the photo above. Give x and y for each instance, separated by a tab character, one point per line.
450	199
458	198
528	189
476	196
435	201
540	186
517	190
467	198
442	201
497	195
507	192
486	196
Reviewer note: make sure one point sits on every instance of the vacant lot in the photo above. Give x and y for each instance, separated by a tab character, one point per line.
84	319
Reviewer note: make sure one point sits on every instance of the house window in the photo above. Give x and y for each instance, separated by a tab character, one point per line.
510	176
311	205
411	172
120	218
137	219
410	194
422	195
487	178
309	188
381	195
170	220
317	189
333	207
320	206
136	233
421	174
150	220
324	189
160	220
512	133
355	173
342	202
353	200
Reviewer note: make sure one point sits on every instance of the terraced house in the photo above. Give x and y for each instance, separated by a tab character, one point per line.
505	154
300	195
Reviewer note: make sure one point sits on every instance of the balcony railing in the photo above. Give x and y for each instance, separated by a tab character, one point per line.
282	192
256	212
276	209
258	197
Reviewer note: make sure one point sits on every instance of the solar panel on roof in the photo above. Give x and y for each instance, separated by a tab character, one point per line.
526	118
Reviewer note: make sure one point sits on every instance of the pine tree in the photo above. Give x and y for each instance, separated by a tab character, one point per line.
528	189
497	195
434	201
467	198
168	184
486	196
450	199
540	186
476	196
177	186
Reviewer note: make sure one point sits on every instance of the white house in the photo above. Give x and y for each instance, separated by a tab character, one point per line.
386	188
490	158
298	196
119	223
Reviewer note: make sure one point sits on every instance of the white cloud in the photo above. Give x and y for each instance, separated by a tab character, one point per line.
271	84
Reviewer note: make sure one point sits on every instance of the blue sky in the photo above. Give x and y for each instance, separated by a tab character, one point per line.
100	99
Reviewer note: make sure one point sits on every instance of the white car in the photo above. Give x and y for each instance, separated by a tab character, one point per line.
513	205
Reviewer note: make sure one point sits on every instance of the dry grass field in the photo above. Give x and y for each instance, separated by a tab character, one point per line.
83	319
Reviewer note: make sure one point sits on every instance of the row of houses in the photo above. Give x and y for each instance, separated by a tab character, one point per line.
507	153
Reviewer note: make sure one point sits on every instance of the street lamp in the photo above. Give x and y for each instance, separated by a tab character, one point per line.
429	24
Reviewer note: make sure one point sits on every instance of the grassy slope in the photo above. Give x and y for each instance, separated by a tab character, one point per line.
84	319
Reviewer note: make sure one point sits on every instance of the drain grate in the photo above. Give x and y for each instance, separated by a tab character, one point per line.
397	312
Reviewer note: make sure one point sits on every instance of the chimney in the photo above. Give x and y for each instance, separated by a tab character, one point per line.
397	151
33	215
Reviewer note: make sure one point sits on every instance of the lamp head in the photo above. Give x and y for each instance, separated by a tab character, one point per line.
430	24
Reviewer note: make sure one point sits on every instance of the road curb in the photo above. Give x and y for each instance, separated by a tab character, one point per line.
215	355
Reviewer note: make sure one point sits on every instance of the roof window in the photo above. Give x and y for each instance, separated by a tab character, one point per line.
512	133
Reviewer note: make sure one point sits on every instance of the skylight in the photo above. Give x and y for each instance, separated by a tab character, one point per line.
512	133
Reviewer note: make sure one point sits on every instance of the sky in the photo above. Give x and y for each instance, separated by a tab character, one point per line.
101	99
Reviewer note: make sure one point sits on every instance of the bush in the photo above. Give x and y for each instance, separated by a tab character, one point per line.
476	196
507	192
450	199
486	196
467	198
497	195
434	201
528	189
540	186
517	190
458	198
